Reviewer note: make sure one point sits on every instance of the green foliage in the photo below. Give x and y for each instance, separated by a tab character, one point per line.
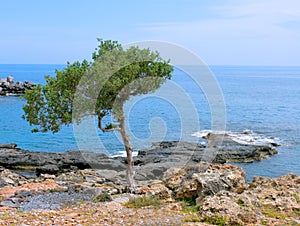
189	205
144	201
240	202
105	197
192	218
99	88
273	212
190	209
217	220
50	106
296	196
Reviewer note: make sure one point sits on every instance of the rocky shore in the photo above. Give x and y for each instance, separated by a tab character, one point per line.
150	163
86	188
10	88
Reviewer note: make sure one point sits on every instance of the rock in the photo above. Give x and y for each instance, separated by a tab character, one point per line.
2	183
272	201
47	169
150	164
73	177
155	188
203	179
10	178
243	153
13	145
9	204
281	192
121	199
227	205
178	154
10	79
9	87
51	163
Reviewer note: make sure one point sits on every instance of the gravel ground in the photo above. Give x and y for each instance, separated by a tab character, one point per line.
53	201
89	213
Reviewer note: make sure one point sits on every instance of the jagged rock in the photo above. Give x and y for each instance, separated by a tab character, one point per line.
10	178
73	177
203	179
10	79
150	164
13	145
265	201
181	153
155	188
9	87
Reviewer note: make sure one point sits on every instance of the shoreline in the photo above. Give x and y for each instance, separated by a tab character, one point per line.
215	193
169	172
160	154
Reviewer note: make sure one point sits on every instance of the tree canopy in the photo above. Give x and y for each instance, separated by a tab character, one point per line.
99	88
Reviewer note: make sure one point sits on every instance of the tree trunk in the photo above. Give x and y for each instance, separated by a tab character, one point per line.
126	140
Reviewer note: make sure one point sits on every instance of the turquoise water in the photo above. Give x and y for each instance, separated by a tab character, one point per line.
264	100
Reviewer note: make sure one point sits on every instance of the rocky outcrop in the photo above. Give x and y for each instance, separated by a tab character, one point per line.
227	151
150	163
266	201
52	163
203	179
8	178
8	87
219	191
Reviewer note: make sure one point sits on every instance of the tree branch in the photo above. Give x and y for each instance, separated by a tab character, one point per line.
100	117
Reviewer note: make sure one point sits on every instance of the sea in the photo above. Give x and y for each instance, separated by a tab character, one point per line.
262	104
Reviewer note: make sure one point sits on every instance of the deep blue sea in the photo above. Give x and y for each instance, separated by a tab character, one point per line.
263	100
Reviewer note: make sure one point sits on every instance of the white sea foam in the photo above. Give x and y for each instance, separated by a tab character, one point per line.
245	137
123	154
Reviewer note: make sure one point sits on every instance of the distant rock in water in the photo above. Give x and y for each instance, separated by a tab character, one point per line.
10	88
246	137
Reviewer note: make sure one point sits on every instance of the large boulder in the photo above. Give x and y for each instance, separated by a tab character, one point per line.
9	178
200	180
10	79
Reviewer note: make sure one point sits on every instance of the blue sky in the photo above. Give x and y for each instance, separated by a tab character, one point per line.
227	32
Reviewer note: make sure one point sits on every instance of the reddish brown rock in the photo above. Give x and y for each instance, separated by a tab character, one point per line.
47	185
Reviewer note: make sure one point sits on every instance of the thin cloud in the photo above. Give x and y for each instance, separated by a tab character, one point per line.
260	32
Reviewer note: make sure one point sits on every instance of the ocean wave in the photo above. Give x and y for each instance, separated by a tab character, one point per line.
246	137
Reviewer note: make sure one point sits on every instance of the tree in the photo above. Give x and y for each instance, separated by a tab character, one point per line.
98	88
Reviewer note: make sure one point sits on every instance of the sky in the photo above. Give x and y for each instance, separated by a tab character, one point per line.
220	32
